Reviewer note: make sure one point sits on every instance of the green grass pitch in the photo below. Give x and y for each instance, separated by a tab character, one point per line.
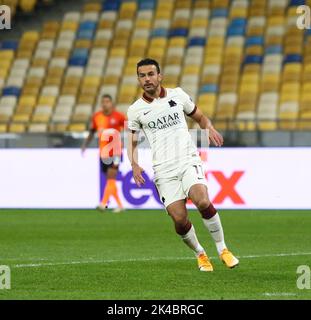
85	254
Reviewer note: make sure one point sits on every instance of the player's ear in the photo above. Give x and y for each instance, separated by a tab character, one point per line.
160	77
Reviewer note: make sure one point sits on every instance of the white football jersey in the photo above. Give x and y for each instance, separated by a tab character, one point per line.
163	123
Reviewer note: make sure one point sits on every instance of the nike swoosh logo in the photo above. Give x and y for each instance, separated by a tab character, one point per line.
213	231
146	112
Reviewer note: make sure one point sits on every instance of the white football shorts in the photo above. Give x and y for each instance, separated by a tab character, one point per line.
176	186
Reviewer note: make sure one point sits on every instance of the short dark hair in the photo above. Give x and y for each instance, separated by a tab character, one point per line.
147	62
107	96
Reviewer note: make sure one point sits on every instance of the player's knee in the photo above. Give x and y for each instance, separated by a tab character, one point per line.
203	204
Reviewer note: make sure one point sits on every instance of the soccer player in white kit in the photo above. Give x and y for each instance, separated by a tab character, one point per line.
177	166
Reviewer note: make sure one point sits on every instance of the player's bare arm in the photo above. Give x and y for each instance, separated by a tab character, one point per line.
87	141
132	152
204	123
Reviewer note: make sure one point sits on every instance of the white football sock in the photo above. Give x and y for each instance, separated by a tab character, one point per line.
215	228
191	240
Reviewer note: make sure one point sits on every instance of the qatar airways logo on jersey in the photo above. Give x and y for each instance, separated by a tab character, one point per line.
165	121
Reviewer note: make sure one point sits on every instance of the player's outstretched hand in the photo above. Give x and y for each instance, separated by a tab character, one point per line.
137	174
215	137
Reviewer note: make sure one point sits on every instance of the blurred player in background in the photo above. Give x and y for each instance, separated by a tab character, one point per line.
108	124
176	163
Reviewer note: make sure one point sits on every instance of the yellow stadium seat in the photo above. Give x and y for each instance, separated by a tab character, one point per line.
27	101
254	50
202	4
177	42
49	35
6	55
86	99
238	12
61	53
55	72
51	26
101	43
37	62
69	90
276	20
91	81
143	24
92	7
180	23
31	90
41	118
69	25
118	52
27	5
30	36
213	59
21	118
83	43
77	127
110	79
53	81
106	24
47	101
192	69
199	22
182	4
3	128
206	103
17	128
58	127
220	3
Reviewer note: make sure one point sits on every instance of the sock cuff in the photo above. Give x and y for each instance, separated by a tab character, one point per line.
209	212
183	230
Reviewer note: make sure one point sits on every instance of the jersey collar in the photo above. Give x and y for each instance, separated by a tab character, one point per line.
149	100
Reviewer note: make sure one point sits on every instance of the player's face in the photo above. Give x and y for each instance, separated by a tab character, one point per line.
106	105
149	78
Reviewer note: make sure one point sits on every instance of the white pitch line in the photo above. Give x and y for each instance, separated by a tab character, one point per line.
103	261
279	294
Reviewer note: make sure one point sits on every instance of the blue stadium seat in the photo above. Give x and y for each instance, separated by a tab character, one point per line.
78	61
160	32
9	45
11	91
179	32
219	12
146	4
238	22
85	34
273	49
295	3
235	31
80	53
254	41
111	5
197	41
252	59
292	58
209	88
87	25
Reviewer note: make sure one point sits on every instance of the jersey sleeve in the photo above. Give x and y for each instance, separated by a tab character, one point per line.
122	119
132	121
188	105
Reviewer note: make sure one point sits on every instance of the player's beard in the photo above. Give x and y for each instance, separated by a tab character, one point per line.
152	90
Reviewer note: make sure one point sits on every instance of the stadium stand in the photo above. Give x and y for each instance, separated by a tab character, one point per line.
244	62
